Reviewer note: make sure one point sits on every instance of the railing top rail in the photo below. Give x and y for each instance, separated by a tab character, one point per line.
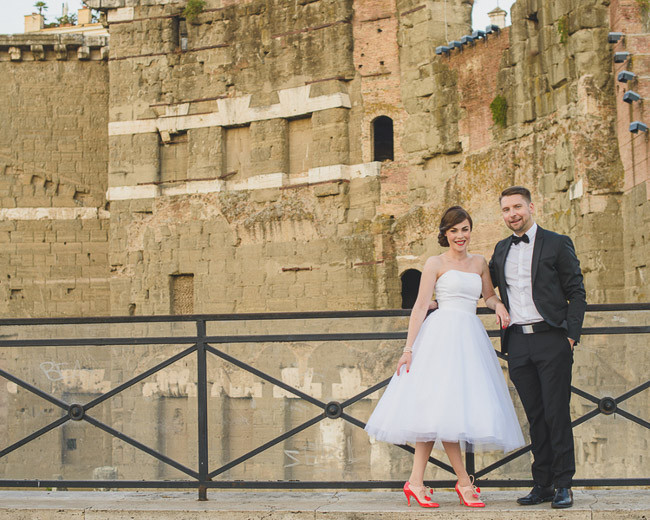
259	316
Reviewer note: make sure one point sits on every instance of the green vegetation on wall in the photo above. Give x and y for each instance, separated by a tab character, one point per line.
499	108
193	9
563	28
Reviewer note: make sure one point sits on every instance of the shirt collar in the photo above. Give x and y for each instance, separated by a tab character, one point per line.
532	232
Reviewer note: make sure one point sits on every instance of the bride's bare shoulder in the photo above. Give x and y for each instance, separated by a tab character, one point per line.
433	263
433	260
478	261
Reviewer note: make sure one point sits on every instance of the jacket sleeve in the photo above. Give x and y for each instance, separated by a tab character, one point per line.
568	267
493	268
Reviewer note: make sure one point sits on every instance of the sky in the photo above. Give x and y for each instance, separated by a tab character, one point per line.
13	11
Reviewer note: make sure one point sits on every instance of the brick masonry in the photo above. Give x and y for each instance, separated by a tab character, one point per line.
53	163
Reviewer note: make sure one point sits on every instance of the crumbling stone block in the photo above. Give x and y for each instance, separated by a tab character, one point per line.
15	53
61	50
83	53
38	52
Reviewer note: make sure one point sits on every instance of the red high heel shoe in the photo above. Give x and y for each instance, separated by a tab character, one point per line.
475	493
409	493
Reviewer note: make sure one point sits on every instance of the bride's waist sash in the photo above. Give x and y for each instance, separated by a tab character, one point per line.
468	306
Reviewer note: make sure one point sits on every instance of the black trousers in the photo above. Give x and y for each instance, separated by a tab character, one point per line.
540	367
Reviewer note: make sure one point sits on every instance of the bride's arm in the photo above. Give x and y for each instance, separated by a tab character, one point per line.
492	301
419	312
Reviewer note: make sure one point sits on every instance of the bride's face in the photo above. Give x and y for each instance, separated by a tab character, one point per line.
458	236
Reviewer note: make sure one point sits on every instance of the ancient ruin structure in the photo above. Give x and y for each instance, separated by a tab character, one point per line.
276	155
265	154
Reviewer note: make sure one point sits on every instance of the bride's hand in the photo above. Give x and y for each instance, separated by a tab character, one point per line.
503	318
404	360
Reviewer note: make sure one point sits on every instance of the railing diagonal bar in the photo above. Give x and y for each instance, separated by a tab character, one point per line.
632	392
633	418
265	376
34	435
141	447
139	378
503	461
34	390
267	445
365	393
585	417
405	447
354	420
585	395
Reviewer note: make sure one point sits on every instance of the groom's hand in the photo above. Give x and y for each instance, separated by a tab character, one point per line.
572	342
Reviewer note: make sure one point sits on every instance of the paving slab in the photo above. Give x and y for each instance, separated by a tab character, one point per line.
615	504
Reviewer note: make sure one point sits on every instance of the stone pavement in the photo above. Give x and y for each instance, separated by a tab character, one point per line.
616	504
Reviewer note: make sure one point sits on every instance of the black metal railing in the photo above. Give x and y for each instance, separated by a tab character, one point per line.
202	345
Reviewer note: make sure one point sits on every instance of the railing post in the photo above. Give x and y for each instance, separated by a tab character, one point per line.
202	402
469	460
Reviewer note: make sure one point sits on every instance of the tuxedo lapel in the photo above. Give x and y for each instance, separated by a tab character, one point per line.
537	250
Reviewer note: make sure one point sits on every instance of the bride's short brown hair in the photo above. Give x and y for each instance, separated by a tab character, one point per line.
451	217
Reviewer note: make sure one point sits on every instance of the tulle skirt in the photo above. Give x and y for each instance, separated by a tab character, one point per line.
455	390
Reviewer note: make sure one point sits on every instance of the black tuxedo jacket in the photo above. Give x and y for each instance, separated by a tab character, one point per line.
558	291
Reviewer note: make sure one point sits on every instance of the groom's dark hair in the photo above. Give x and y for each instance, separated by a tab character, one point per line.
451	217
516	190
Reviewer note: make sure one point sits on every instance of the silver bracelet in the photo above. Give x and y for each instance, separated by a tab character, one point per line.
407	349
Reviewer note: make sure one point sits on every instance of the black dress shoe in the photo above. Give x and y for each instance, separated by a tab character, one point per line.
563	498
537	495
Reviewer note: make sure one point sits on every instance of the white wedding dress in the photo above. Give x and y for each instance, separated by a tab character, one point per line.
455	389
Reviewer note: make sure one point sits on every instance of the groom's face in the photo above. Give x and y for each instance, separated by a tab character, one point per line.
517	213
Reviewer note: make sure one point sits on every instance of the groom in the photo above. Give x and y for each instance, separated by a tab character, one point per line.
539	280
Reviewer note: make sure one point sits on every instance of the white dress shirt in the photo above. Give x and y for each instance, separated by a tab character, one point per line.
518	271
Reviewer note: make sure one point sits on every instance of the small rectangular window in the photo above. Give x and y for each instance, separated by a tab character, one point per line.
182	294
238	151
179	32
300	137
173	156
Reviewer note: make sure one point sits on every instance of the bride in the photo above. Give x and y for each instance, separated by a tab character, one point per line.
448	388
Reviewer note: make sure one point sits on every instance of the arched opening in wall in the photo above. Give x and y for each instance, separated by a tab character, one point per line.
410	285
382	136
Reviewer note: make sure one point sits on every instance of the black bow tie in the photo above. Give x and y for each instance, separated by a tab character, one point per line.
522	238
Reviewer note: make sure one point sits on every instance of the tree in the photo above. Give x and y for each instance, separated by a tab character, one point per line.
41	6
67	19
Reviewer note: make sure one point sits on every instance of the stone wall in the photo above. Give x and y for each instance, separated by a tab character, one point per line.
552	69
283	133
53	162
269	230
634	21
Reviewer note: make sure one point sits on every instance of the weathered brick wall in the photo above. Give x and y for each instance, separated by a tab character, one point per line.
633	21
552	67
53	161
302	241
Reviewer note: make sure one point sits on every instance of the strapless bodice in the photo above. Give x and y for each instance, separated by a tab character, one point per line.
458	290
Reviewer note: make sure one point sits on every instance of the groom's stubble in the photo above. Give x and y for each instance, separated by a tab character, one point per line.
517	213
